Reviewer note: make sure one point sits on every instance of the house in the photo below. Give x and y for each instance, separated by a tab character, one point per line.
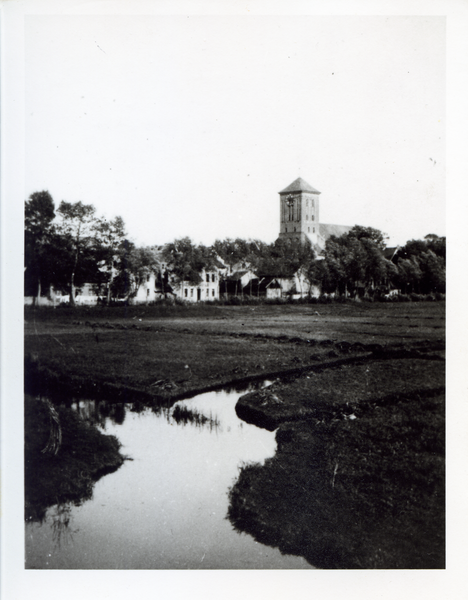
206	290
87	295
238	283
53	298
154	287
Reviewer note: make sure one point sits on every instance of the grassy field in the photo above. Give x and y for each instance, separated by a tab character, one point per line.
357	401
145	352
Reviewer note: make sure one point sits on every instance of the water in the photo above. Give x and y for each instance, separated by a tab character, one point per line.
165	509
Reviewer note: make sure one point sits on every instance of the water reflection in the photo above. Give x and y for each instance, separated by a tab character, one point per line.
167	507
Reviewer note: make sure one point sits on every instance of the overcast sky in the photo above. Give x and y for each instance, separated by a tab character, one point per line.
192	125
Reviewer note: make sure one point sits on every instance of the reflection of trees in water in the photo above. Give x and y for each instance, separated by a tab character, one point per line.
97	412
67	477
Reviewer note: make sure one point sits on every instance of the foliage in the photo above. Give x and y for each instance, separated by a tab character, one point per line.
76	226
74	246
186	260
285	257
110	248
39	213
136	264
421	265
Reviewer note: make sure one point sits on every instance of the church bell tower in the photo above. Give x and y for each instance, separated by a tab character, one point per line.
299	212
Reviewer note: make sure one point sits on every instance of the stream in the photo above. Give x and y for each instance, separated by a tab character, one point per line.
166	507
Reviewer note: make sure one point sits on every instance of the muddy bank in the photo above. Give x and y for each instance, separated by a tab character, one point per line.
64	457
343	389
358	479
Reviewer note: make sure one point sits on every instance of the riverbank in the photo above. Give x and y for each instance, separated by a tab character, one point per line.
83	455
358	479
358	401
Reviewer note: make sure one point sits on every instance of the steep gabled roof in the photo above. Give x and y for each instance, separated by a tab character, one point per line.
299	185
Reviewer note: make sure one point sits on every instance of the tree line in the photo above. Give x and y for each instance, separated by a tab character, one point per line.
68	246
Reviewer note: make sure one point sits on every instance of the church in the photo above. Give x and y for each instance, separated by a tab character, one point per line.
300	216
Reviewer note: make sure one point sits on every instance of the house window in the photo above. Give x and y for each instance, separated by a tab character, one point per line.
207	292
313	218
213	278
314	230
207	278
212	292
191	291
186	292
308	229
307	202
294	229
286	229
307	217
312	202
147	292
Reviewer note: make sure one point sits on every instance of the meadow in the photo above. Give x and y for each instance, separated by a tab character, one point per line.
357	402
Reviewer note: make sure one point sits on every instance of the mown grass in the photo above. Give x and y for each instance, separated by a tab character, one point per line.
189	353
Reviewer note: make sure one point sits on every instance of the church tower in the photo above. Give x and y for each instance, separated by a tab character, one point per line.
299	212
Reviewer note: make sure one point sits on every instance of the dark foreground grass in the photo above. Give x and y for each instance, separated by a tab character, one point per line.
85	455
364	493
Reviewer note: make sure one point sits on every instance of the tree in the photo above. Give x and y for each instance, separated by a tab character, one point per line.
136	265
186	260
285	257
422	264
109	239
409	273
357	258
344	260
77	224
369	233
248	253
39	212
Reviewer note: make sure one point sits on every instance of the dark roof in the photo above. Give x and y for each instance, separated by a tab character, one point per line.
299	185
237	275
389	253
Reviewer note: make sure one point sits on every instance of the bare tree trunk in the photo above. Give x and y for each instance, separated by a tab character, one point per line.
72	282
109	287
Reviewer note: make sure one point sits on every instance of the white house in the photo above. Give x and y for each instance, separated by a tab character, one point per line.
205	291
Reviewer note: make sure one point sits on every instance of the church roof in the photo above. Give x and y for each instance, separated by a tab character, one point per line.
299	185
326	230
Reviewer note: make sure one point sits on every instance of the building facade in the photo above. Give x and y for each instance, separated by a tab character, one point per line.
300	215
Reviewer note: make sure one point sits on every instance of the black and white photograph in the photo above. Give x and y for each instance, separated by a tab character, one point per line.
232	284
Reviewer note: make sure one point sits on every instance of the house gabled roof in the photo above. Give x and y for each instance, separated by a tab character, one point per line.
237	275
299	185
390	253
